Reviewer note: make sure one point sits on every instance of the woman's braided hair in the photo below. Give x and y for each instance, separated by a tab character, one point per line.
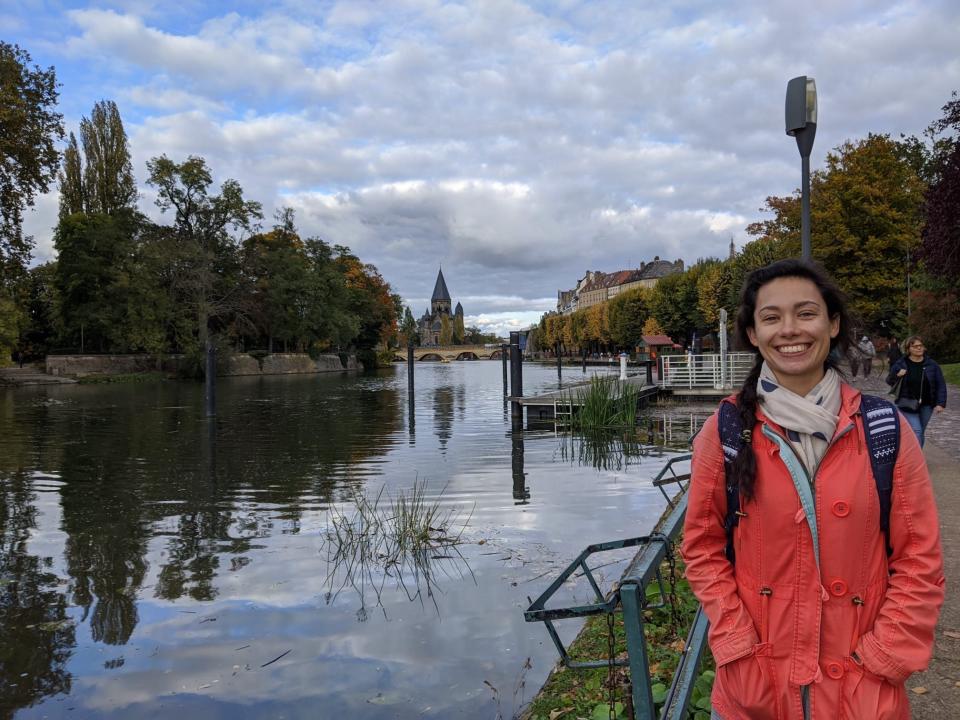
743	470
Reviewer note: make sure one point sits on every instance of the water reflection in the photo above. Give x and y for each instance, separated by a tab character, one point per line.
36	634
521	493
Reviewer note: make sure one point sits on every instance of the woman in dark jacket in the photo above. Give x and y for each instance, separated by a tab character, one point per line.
921	389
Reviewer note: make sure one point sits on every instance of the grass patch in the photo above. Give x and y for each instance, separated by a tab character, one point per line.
605	403
586	693
398	538
102	379
952	373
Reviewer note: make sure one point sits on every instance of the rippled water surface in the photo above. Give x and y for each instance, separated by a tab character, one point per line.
154	564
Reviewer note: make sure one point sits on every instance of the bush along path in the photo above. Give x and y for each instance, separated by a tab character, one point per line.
592	694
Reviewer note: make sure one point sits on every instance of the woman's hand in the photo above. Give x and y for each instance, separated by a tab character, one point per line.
938	409
901	373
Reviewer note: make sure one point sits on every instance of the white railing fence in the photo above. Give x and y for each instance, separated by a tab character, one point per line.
706	370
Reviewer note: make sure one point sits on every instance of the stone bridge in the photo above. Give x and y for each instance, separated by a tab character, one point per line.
446	353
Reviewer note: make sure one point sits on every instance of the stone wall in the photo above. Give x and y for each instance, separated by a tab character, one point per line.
237	364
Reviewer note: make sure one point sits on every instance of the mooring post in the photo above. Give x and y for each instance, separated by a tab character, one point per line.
623	366
410	368
210	381
559	363
724	360
521	493
583	354
516	377
649	372
504	353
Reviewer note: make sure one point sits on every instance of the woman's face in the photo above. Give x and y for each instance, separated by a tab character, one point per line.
916	350
792	330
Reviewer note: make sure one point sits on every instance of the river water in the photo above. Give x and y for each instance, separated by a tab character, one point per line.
154	564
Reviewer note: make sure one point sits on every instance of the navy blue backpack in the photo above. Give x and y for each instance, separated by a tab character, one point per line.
881	428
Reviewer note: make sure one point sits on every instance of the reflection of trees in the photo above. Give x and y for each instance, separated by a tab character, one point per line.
35	635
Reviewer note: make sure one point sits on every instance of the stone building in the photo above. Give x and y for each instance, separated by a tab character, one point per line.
430	324
597	287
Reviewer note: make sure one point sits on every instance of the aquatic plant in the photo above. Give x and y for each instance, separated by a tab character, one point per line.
375	539
604	449
605	403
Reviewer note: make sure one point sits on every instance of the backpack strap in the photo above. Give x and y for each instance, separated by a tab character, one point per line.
730	427
882	430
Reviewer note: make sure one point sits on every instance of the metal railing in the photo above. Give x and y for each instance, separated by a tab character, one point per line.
630	596
707	370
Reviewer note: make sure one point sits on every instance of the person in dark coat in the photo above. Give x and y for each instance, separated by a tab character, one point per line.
893	352
920	386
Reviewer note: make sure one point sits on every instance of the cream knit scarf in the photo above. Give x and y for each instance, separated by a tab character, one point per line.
809	421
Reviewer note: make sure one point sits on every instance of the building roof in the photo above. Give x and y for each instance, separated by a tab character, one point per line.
459	309
440	292
657	340
660	268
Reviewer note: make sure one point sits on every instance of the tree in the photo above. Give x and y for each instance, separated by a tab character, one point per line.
652	327
72	197
628	313
108	175
370	299
458	329
91	277
673	302
408	328
206	267
29	129
446	330
866	213
941	232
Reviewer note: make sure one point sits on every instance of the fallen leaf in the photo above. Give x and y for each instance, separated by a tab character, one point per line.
554	714
920	690
482	542
952	634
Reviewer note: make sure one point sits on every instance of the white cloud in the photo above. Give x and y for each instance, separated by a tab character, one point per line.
514	143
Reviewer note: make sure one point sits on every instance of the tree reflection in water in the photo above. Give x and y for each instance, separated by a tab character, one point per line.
36	636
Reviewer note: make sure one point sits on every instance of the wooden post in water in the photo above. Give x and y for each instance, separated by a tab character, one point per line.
559	363
504	354
410	368
583	354
516	378
210	381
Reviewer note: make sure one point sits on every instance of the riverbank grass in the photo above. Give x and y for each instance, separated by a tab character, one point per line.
604	404
576	694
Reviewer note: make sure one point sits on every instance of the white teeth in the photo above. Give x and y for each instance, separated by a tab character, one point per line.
792	348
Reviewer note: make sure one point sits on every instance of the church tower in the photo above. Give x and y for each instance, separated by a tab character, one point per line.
440	302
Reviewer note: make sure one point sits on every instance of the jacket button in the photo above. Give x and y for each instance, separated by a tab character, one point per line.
835	670
838	588
841	508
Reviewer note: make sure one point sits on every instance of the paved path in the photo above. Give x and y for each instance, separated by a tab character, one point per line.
942	680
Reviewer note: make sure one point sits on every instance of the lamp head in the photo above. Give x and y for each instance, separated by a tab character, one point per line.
800	108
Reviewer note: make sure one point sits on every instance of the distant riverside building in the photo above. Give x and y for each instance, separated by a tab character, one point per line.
430	324
597	287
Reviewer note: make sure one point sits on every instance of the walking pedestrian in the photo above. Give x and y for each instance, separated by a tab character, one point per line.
918	385
893	352
867	353
815	620
853	358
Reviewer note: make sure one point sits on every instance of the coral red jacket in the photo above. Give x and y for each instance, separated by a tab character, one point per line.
852	629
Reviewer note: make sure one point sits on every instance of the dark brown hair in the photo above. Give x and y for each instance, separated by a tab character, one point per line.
743	470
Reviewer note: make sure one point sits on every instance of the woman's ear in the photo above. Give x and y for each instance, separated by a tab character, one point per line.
835	326
752	336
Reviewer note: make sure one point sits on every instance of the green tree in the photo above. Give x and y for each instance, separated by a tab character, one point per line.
72	197
458	330
108	174
29	129
866	216
91	278
370	300
206	268
628	313
408	328
673	302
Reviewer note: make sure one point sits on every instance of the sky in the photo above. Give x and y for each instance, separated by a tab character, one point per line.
515	144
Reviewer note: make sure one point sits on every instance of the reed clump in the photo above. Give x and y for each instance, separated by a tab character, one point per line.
371	540
605	403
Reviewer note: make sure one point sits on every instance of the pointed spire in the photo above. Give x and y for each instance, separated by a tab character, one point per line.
440	292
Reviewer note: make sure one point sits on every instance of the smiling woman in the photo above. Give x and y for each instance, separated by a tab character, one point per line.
825	586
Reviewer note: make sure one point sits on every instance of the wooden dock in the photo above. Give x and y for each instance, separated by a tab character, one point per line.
544	406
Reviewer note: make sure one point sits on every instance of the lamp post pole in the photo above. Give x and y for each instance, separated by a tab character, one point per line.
800	116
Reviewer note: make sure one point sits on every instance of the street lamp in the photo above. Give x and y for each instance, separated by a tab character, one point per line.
800	114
